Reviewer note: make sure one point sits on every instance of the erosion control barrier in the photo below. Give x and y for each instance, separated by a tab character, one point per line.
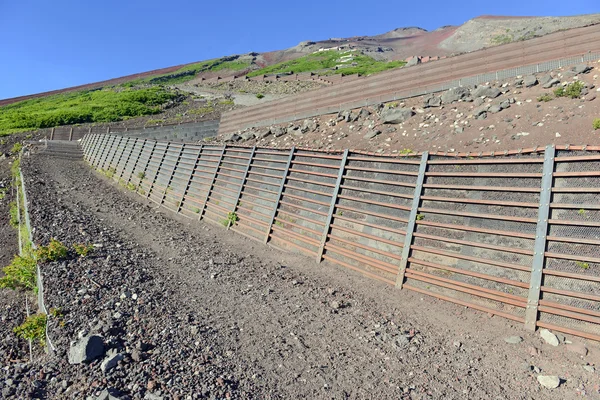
532	56
516	235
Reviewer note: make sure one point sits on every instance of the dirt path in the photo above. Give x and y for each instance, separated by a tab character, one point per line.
218	316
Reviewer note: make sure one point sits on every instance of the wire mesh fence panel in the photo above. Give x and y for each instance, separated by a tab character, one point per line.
200	181
475	233
370	218
570	299
160	181
476	219
134	165
153	168
305	200
229	178
260	193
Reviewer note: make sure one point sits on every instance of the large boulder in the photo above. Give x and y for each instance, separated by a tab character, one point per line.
551	83
372	133
248	135
264	133
545	79
232	137
396	115
309	125
413	61
433	101
86	349
581	69
530	81
278	131
454	94
486	91
364	113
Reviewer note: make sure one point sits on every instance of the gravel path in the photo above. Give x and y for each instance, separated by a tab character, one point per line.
200	312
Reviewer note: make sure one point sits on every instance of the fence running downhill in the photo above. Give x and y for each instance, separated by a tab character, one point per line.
516	236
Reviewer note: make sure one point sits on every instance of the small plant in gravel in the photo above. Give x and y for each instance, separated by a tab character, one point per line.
546	97
53	252
14	214
56	312
3	192
130	186
141	175
110	172
572	90
581	211
420	217
582	265
17	147
231	219
34	328
259	96
197	210
83	250
279	223
19	274
596	124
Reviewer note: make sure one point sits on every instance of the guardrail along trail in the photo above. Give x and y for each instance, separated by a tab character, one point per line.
231	317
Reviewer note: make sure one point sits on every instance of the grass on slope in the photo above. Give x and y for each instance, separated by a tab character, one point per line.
189	72
324	60
106	105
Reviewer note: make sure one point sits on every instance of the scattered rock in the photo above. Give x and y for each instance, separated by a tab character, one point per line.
364	113
581	69
578	348
432	101
111	360
545	79
309	125
478	102
486	91
232	137
247	135
549	381
589	368
396	115
495	109
278	131
530	81
264	133
553	82
454	94
86	349
108	394
549	337
335	305
590	97
413	61
372	133
513	339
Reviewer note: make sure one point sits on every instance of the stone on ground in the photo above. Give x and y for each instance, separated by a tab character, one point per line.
549	337
86	349
549	381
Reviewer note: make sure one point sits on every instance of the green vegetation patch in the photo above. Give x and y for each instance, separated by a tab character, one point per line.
34	328
19	274
572	90
323	60
106	105
596	124
189	72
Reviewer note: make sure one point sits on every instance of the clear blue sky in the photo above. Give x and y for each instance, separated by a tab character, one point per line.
54	44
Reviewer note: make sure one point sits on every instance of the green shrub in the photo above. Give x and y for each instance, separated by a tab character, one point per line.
106	105
596	124
14	214
259	96
546	97
582	265
572	90
34	328
19	274
17	147
53	252
231	219
83	250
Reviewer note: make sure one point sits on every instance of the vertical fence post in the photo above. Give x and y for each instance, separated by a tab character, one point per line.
71	134
334	198
52	134
239	193
280	193
164	195
412	218
539	247
162	159
212	182
189	180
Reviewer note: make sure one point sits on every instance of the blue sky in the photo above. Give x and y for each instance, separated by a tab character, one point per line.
49	45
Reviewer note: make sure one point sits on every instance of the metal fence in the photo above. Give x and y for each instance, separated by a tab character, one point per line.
515	235
532	56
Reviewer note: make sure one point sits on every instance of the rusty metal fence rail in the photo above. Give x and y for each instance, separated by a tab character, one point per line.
532	56
516	235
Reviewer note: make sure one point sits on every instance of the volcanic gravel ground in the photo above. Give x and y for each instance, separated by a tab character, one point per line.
200	312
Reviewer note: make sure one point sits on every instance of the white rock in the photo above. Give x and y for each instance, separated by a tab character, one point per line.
589	368
549	381
549	337
558	134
